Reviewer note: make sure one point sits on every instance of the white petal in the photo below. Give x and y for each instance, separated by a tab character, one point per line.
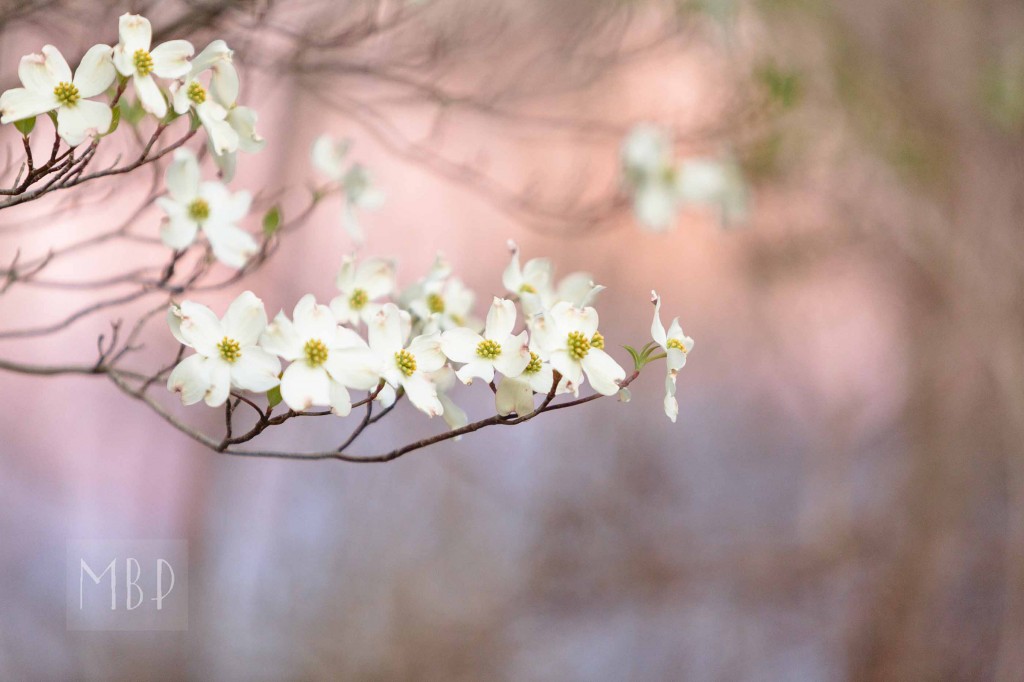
314	320
328	156
134	32
243	120
174	322
245	319
675	359
182	177
541	381
567	366
201	328
427	351
212	54
281	338
479	367
340	401
385	330
20	103
454	416
423	394
224	84
655	207
223	138
37	72
501	319
603	372
537	273
256	370
226	163
56	64
170	60
303	386
512	277
460	344
191	378
386	396
86	119
357	368
575	288
514	396
657	328
96	71
515	356
178	231
150	97
220	383
376	276
232	246
671	404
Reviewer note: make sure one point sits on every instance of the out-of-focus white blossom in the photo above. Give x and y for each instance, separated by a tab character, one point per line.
441	297
191	93
226	354
49	86
360	192
192	204
661	185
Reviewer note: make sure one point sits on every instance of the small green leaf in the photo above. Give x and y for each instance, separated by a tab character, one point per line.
274	397
114	121
25	125
132	112
272	221
637	362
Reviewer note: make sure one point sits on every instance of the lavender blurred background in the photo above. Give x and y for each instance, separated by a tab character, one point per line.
843	495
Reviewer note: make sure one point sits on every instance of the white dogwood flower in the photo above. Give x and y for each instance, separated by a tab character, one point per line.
717	183
328	156
49	86
568	337
190	93
226	354
517	394
407	366
677	346
192	205
133	58
223	91
651	174
441	297
497	349
531	282
360	287
326	360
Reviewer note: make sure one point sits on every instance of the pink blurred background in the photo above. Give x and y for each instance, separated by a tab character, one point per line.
841	497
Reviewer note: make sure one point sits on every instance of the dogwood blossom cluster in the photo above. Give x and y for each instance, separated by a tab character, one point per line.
168	80
541	338
661	185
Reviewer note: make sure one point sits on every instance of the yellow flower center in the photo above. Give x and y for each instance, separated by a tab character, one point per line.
199	210
406	362
67	94
488	349
196	92
316	352
143	62
534	365
358	299
230	350
675	343
597	341
579	346
435	303
527	289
